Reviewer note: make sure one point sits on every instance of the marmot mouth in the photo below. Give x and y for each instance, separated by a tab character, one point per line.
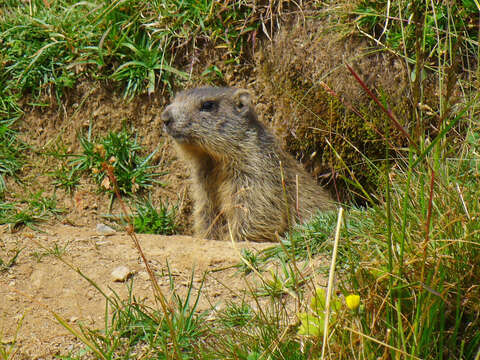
179	138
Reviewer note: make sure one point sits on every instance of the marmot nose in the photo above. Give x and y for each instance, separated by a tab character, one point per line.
167	116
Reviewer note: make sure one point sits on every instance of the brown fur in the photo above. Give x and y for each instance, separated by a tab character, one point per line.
236	171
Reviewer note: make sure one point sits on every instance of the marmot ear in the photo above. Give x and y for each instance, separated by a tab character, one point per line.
243	100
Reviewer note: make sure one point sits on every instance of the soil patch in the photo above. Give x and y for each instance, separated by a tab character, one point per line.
40	282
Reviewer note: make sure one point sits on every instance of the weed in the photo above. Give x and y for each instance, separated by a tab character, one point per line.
135	327
251	261
235	315
306	239
66	177
8	350
7	264
56	251
266	332
133	172
48	48
43	204
139	73
13	215
377	17
11	153
151	220
30	211
281	279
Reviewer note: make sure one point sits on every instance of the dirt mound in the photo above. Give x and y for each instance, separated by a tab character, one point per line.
41	281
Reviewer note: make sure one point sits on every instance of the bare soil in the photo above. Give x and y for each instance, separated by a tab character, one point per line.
42	283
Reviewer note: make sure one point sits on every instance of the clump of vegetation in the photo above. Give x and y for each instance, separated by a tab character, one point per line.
135	328
66	177
8	263
236	315
28	212
11	148
307	239
250	261
396	25
11	153
48	47
120	150
149	219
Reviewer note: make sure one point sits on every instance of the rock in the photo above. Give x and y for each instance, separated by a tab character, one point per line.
121	273
105	230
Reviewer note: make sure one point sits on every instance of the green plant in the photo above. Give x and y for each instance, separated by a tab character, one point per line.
151	220
307	239
30	211
66	177
281	279
415	245
9	350
133	172
11	152
7	264
236	315
133	325
139	73
39	43
56	250
250	261
312	323
43	204
48	48
396	25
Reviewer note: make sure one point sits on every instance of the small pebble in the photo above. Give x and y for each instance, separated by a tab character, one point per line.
121	273
105	230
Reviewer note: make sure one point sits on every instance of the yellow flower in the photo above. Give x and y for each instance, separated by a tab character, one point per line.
353	301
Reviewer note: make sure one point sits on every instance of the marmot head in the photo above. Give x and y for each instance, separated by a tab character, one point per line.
211	117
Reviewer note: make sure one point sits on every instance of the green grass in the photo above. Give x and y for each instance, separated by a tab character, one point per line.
11	153
11	148
56	251
134	328
135	43
149	219
236	315
28	212
442	24
306	239
66	177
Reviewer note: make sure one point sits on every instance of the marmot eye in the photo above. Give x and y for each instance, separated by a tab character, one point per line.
208	106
